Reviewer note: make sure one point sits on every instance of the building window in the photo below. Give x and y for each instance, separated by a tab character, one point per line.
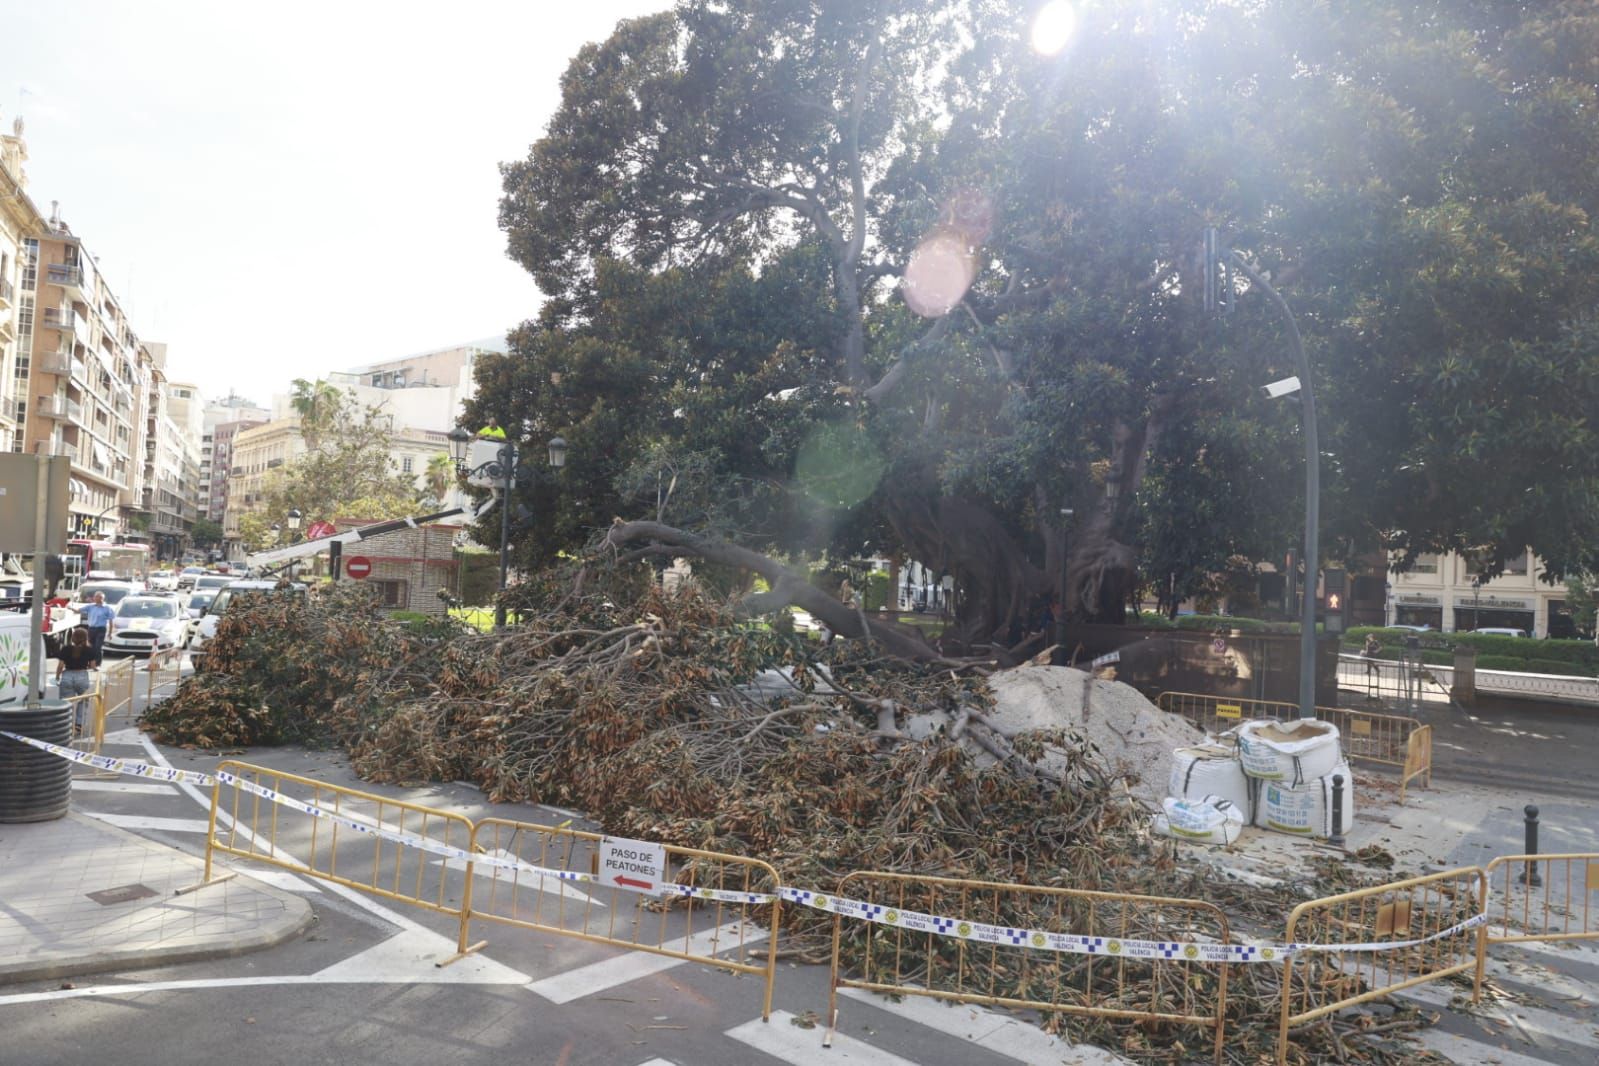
391	593
405	465
1426	564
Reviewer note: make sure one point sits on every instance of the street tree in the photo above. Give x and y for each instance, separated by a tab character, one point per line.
1008	289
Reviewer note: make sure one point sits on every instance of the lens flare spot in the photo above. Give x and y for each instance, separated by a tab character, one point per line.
938	275
1053	27
838	466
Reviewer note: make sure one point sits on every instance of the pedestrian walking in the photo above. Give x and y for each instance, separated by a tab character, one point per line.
72	674
97	620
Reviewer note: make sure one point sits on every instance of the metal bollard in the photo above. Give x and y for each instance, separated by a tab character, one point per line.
1530	877
1337	838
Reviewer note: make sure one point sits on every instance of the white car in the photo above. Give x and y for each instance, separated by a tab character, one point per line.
195	606
163	581
206	627
189	576
145	625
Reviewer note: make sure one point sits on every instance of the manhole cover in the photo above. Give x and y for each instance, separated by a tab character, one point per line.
122	894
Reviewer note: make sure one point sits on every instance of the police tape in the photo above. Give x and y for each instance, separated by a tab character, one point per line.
899	918
116	766
1115	947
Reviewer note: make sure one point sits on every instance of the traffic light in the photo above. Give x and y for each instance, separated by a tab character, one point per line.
1335	599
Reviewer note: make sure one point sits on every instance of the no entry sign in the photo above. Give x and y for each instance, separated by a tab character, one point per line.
357	566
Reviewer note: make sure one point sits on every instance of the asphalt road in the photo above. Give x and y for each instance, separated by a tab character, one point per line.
1544	750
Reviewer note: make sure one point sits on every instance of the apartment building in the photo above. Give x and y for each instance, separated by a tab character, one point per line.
88	380
1448	592
220	422
19	221
255	452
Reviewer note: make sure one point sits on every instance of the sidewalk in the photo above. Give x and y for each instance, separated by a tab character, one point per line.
78	896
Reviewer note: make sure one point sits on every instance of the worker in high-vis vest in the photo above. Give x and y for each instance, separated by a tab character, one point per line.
492	431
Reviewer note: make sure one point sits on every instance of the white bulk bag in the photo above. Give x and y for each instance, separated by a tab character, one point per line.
1295	753
1305	811
1211	820
1211	770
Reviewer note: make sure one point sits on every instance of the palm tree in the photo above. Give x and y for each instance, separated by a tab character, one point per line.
318	405
440	473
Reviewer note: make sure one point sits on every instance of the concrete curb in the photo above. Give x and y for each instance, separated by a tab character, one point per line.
296	916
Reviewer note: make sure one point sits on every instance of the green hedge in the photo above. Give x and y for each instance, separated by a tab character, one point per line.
1501	662
1579	654
1437	657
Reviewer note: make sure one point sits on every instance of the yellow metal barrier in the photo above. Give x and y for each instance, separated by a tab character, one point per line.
898	961
1316	983
259	829
684	927
117	683
163	668
1386	739
1561	903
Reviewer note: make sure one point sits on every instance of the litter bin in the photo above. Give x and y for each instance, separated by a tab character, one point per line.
35	786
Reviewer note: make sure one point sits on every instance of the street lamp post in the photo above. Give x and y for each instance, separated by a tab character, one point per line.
294	535
1219	255
501	471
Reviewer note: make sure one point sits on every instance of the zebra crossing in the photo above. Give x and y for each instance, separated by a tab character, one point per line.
1542	1008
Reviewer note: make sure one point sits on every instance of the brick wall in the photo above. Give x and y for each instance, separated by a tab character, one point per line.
409	566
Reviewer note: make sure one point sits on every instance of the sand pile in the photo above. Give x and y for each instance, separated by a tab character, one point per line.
1134	737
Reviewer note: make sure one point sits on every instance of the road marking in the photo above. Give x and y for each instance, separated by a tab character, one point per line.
1541	977
782	1039
1461	1049
130	737
85	784
608	973
139	821
426	975
992	1032
398	959
1575	951
657	1062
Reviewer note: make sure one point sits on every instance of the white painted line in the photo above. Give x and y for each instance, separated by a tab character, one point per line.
782	1039
401	957
989	1030
621	969
1461	1049
139	821
1543	978
86	784
427	975
657	1062
133	738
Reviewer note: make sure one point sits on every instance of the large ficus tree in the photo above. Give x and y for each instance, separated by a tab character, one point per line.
891	227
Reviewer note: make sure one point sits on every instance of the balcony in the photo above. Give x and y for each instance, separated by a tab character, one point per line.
67	320
60	363
5	294
69	277
59	408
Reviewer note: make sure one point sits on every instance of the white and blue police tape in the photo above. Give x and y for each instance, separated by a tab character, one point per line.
882	914
1115	947
116	766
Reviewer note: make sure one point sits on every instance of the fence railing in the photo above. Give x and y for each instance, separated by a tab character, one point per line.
1384	739
1428	928
276	817
706	924
1544	897
894	960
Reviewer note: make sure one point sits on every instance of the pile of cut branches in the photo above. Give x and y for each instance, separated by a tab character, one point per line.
677	717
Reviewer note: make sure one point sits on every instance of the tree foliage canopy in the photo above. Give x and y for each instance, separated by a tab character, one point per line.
870	273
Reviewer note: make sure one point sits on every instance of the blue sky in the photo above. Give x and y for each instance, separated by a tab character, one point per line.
281	190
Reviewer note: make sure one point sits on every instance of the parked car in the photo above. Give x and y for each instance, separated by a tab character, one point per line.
214	581
206	628
1498	631
195	607
146	624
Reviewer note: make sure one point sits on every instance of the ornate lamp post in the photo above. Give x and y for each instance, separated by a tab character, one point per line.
500	470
